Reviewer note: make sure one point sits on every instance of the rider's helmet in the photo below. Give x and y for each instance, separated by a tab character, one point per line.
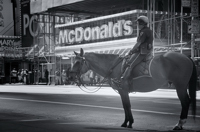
143	20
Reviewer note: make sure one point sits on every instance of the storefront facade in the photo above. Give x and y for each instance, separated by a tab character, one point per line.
10	39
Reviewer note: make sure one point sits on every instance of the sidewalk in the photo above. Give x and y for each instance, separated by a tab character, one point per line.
72	89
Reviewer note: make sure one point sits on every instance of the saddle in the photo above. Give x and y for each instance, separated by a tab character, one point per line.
143	68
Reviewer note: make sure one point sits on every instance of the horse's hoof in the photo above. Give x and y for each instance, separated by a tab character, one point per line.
178	128
124	125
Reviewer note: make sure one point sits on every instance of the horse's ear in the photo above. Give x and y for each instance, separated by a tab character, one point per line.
81	52
75	53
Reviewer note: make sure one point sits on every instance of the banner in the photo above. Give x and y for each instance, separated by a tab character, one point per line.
29	27
195	26
6	18
194	8
9	47
100	29
185	3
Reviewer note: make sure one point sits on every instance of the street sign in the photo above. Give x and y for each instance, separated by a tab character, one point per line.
195	26
194	8
185	3
197	40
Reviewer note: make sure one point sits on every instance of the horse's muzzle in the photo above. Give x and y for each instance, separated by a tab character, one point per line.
72	76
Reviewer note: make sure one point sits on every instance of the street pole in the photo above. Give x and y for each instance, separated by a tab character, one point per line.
153	26
181	28
194	13
192	44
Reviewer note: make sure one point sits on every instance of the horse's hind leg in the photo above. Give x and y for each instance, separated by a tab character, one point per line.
185	102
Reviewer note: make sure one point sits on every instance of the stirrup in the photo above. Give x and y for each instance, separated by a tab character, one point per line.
116	81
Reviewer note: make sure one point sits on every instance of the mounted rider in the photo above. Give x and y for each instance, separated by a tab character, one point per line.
139	52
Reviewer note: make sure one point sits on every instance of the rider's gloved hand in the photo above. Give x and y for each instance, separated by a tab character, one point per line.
130	52
127	53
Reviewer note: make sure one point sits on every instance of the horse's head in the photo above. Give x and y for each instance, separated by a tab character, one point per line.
79	67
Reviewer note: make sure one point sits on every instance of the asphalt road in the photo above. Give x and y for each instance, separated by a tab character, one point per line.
67	108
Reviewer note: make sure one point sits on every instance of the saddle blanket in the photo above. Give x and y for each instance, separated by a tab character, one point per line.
143	68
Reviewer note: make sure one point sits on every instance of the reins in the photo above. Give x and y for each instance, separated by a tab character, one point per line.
78	75
101	82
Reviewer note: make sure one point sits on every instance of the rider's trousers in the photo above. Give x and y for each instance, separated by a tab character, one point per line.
134	60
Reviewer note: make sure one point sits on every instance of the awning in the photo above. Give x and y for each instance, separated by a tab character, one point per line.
111	47
5	36
38	6
120	47
81	6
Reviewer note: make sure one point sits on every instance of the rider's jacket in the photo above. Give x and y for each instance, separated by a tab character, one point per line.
146	39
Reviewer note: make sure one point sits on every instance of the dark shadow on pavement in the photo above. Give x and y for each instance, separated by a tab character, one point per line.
134	130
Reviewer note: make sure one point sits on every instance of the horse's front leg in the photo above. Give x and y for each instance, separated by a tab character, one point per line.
127	108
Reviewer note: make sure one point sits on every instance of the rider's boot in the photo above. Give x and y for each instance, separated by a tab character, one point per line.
124	78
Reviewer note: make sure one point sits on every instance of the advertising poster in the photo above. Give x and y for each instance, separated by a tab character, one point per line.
28	25
9	47
6	18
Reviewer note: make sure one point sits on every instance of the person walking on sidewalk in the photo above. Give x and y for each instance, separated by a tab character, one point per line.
46	75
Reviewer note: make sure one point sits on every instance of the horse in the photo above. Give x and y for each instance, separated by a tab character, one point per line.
172	67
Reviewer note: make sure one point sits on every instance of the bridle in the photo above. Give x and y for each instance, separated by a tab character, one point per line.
78	80
78	72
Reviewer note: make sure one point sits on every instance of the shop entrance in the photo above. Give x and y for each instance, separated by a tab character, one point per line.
9	66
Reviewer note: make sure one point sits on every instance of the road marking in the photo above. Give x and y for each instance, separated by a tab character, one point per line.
84	123
92	106
63	123
33	120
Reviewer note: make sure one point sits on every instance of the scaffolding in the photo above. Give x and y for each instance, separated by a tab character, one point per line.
42	53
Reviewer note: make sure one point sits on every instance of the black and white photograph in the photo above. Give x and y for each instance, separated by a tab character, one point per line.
99	65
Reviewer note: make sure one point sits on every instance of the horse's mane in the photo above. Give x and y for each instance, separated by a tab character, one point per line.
101	62
102	56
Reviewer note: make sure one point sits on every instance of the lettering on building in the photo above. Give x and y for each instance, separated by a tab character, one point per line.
108	30
30	24
9	44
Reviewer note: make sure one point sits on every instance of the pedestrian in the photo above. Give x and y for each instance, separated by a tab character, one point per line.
64	77
31	79
39	76
22	75
57	77
19	77
67	75
13	76
46	74
26	76
35	77
91	77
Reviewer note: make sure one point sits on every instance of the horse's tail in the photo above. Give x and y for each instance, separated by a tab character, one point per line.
192	89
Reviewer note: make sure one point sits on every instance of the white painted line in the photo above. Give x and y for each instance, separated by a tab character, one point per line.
76	123
70	123
32	120
92	106
83	123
